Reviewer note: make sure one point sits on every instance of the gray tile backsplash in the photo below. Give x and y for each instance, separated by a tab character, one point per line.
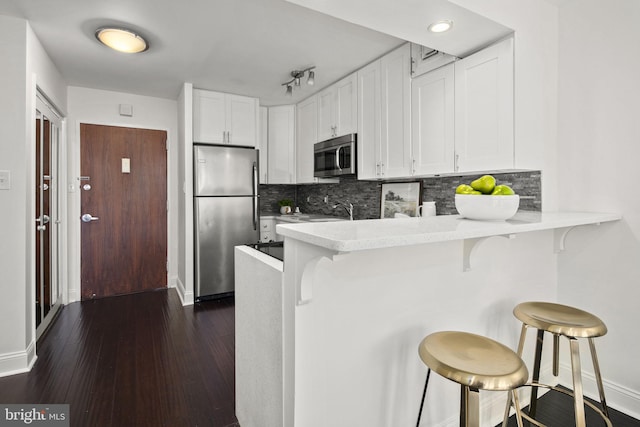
365	195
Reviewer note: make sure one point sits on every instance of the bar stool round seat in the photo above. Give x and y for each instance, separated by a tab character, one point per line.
571	323
475	362
560	319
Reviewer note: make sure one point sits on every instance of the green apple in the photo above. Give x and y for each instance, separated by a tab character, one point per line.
485	184
502	190
466	189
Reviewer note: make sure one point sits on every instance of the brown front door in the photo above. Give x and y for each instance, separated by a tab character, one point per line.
123	187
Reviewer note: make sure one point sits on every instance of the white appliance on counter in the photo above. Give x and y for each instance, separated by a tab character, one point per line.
226	214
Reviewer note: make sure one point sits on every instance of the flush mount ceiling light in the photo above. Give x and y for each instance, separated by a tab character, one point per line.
296	76
440	26
121	39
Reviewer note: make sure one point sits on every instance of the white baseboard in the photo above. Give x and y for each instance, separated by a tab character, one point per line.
186	296
618	397
18	362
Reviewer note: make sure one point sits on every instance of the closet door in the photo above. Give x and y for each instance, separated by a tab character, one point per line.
47	221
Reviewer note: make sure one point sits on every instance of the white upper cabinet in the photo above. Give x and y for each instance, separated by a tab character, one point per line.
396	112
221	118
484	109
263	143
282	149
306	136
384	118
432	122
369	133
337	106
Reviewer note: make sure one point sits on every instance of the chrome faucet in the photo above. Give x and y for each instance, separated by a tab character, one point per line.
347	207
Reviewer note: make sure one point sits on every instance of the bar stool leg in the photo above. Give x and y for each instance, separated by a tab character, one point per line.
424	394
516	402
469	407
577	382
523	337
596	369
556	355
533	403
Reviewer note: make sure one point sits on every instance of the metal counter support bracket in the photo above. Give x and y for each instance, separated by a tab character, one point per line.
470	244
560	236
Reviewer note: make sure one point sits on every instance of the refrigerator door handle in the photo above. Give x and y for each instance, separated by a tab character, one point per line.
255	196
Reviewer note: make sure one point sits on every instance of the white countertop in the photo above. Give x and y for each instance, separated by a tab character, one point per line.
349	236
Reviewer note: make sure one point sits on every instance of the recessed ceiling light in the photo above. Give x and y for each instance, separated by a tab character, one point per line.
121	39
441	26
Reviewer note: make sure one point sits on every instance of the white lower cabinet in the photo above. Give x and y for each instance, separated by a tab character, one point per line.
267	230
282	150
384	105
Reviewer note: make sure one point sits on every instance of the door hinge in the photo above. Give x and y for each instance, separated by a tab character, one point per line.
166	144
167	266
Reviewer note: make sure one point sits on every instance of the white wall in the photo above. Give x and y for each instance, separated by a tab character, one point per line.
24	65
102	107
599	148
185	195
15	204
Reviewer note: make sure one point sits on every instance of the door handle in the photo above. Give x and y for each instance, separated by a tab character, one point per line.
44	219
88	218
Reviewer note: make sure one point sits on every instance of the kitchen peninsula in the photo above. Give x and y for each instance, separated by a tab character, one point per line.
330	337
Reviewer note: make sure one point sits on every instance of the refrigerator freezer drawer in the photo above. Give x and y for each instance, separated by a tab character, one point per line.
221	224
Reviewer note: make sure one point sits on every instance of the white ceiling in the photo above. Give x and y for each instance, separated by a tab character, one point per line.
409	20
246	47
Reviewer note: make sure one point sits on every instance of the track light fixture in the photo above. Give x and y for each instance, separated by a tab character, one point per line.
296	76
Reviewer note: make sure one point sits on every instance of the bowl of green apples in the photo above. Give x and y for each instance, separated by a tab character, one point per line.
483	199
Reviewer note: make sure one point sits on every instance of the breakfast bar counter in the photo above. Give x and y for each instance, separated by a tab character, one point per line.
355	299
350	236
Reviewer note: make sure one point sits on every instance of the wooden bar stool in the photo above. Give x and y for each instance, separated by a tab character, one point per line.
476	363
572	323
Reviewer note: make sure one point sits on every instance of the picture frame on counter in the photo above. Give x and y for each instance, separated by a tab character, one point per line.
400	199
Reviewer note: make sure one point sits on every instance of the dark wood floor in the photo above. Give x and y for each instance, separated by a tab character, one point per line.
135	360
145	360
555	409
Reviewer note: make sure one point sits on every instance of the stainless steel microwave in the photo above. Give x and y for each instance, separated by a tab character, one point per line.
335	157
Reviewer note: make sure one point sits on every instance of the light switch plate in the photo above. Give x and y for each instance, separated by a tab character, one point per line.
5	180
126	165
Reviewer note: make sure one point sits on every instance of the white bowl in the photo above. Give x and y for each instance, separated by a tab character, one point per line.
485	207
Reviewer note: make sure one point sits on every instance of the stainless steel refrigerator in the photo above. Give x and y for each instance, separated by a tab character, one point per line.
226	213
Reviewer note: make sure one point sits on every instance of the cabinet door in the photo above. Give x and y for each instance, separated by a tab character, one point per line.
282	145
306	136
209	117
346	105
263	143
432	122
484	109
326	113
368	142
396	113
242	123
